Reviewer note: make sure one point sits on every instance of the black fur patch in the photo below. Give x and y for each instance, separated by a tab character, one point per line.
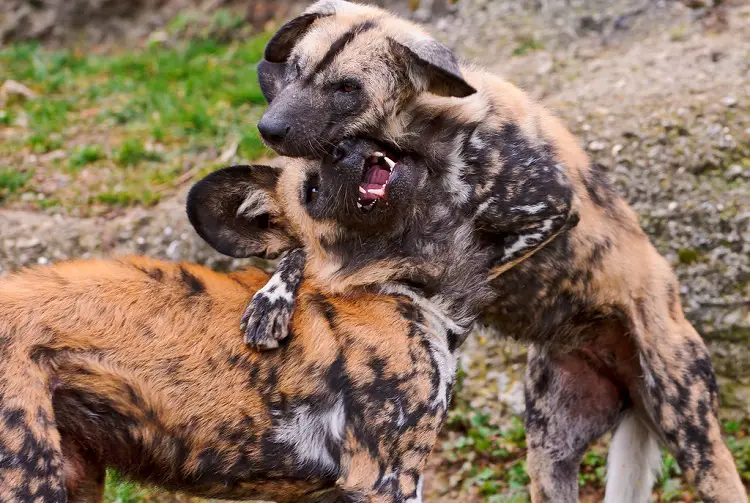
338	46
599	188
194	285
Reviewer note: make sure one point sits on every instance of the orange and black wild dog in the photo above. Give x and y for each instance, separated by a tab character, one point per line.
135	364
610	346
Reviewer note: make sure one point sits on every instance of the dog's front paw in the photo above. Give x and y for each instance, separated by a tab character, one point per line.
266	319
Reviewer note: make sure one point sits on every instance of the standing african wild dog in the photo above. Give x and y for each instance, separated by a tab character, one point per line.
610	346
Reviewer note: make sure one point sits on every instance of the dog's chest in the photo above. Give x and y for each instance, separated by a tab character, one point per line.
545	299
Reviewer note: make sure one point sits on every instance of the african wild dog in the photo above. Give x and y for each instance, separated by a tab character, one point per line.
133	364
610	346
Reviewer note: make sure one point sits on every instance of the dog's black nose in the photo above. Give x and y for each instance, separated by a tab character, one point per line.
272	130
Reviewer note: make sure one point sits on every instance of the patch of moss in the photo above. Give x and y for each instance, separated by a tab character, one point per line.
688	256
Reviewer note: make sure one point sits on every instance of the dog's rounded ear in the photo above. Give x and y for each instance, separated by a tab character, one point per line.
282	43
235	211
434	65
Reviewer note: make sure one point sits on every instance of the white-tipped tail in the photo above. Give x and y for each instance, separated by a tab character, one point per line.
634	462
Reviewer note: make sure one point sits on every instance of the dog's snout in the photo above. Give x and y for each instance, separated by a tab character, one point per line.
353	151
274	131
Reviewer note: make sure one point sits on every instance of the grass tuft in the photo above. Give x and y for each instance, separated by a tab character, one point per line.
84	155
132	152
11	180
118	490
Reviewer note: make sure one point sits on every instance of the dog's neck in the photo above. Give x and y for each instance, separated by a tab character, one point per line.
446	318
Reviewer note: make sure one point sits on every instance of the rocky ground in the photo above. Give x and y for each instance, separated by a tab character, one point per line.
657	91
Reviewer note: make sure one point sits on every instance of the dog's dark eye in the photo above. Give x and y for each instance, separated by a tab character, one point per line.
311	189
296	70
312	194
347	86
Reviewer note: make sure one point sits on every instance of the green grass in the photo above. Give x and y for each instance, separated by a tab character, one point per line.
169	107
11	180
496	456
120	491
85	154
527	45
132	152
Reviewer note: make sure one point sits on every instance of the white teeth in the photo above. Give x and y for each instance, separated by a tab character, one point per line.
362	191
359	206
390	163
378	154
377	192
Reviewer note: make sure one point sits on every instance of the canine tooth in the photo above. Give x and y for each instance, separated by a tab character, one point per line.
390	163
378	154
378	192
359	205
361	190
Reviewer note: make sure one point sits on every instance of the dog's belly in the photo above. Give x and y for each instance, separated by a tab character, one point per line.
126	419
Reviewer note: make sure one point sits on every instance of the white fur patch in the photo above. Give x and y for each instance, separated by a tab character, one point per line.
276	289
307	431
453	181
526	240
633	464
530	209
418	493
483	206
475	141
254	204
401	417
648	376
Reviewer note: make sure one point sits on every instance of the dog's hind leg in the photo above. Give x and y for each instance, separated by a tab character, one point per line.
84	474
569	405
30	454
680	396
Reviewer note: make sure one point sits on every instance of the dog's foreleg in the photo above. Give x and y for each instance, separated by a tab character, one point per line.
267	317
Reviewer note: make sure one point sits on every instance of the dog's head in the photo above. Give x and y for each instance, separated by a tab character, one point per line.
342	70
409	234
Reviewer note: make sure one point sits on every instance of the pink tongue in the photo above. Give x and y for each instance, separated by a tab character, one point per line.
377	175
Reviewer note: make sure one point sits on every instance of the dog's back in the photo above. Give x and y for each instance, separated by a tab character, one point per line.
136	364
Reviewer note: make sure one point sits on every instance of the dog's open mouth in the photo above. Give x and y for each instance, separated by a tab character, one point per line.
380	169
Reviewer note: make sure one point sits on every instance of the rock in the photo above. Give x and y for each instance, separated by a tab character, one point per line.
729	101
11	89
596	146
733	172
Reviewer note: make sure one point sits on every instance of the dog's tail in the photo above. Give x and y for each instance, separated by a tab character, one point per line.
634	462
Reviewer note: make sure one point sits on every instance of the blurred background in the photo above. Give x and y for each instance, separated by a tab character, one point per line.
109	109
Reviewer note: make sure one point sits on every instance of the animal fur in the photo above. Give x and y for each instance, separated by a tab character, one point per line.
599	306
